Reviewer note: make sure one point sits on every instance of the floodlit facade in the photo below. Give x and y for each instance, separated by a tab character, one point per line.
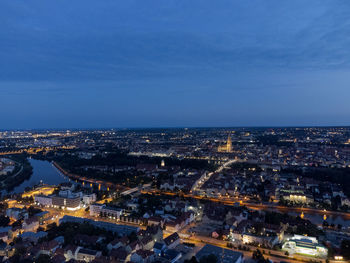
227	148
304	245
70	203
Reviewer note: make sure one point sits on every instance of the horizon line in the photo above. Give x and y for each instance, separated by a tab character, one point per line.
178	127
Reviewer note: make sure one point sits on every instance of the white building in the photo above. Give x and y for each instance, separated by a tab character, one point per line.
105	211
43	200
69	194
304	245
95	209
88	199
299	198
111	212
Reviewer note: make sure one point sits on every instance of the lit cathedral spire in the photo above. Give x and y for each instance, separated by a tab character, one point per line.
229	144
227	147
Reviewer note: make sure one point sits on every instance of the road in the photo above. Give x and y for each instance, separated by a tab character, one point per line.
223	200
255	206
206	177
59	213
274	255
200	241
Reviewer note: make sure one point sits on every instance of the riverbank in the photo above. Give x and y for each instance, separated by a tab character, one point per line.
43	172
23	172
87	180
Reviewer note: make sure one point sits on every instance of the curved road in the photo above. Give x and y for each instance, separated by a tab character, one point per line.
201	182
255	206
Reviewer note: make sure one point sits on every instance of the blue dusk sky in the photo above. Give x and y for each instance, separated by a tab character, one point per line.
174	63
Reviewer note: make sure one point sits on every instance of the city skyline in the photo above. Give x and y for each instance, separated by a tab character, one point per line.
177	131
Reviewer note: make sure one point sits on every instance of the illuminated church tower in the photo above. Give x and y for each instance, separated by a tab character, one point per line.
227	148
229	144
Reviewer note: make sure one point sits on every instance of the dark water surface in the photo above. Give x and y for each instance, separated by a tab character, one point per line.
42	171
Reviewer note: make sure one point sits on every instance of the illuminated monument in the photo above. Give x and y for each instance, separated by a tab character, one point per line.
227	148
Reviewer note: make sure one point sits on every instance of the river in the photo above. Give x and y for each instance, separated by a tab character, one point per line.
318	219
42	171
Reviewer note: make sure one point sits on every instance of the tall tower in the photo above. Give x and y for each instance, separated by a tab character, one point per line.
229	144
226	148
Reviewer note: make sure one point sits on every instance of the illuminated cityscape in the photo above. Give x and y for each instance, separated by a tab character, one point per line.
174	131
170	194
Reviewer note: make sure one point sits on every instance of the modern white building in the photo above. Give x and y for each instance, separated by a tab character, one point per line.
111	212
43	200
88	199
304	245
95	209
105	211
